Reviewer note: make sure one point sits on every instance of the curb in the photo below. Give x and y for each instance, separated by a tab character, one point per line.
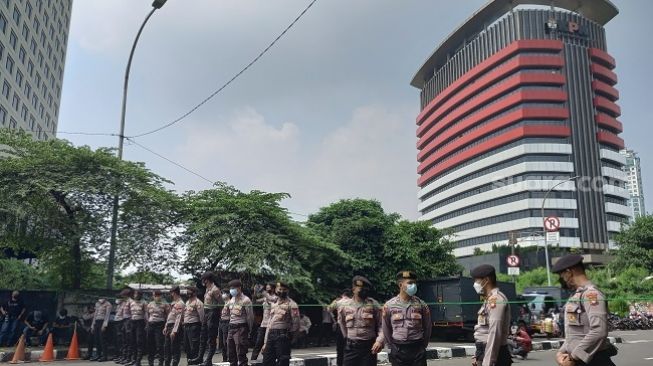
432	353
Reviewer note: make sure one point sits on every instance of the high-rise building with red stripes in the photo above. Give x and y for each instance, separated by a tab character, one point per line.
519	98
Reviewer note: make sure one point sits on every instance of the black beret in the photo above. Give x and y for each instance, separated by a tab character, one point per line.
361	281
126	292
208	275
175	290
484	270
235	283
567	261
282	284
406	275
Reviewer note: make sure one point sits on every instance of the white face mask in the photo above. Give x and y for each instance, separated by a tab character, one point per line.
479	288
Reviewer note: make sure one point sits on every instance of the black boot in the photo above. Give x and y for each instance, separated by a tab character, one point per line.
209	355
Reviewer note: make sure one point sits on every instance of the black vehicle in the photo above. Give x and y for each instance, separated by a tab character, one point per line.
454	305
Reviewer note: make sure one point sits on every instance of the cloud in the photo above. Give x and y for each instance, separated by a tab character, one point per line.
369	156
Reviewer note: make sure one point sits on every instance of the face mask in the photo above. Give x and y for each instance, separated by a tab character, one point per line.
364	293
225	297
411	289
478	288
563	283
282	294
233	292
101	301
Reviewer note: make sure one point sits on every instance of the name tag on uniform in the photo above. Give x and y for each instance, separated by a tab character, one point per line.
482	319
397	316
572	317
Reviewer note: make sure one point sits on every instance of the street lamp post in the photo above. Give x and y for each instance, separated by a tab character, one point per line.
546	246
157	4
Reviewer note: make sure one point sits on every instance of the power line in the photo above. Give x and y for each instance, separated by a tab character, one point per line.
131	139
225	85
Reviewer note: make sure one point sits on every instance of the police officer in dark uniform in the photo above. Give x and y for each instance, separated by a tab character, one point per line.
407	324
586	318
493	326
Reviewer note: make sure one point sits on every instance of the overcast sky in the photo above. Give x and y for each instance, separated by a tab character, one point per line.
327	114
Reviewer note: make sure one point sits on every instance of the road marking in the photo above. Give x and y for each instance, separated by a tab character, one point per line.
650	358
641	341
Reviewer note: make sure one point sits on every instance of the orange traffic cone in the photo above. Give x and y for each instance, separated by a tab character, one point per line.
19	354
73	350
48	352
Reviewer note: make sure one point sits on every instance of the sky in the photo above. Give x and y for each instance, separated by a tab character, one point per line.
327	114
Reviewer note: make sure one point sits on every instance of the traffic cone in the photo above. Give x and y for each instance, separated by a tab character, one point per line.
19	354
73	350
48	352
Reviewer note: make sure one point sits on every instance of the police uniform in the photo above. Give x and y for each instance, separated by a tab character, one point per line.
173	334
267	300
361	327
128	346
340	339
493	325
193	316
100	323
283	323
118	321
407	328
586	321
211	321
241	321
138	310
223	332
157	314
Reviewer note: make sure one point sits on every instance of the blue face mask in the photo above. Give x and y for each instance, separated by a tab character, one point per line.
233	292
411	289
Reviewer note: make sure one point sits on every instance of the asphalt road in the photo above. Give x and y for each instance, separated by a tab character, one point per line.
636	351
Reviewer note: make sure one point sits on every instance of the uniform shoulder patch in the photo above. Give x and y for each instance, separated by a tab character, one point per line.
593	297
492	301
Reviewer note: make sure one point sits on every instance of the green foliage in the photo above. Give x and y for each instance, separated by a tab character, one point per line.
623	287
535	277
635	245
56	200
381	245
147	277
16	274
250	233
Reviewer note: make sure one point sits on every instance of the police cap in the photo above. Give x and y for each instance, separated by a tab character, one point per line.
406	275
484	270
235	283
208	275
568	261
360	281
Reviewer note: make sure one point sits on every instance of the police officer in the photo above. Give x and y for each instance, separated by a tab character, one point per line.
193	317
172	330
157	311
118	321
282	325
128	348
266	298
407	324
211	321
360	322
241	320
138	309
586	318
340	339
224	327
99	329
493	325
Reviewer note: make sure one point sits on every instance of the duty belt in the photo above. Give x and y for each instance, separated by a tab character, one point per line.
360	343
239	325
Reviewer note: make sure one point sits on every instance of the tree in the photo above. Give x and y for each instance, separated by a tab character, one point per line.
16	274
56	200
535	277
147	277
635	245
419	247
381	245
250	233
